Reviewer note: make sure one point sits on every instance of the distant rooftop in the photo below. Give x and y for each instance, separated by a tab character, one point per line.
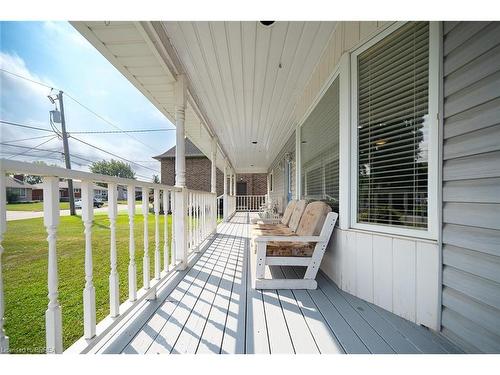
191	151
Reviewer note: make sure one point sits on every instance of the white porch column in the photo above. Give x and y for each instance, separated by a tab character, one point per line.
225	196
213	159
180	172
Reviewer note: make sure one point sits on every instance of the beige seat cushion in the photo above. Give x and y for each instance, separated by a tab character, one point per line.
285	220
313	218
300	206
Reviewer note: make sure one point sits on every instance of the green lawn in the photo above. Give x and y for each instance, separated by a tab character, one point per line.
25	274
38	206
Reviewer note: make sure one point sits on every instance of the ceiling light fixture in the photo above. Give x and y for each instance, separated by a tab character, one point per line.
267	23
254	142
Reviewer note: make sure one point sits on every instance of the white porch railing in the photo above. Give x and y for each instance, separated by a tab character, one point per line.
251	202
231	206
193	221
202	214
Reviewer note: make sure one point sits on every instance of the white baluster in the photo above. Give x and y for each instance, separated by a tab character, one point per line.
145	259
191	221
196	220
132	272
173	246
157	233
53	317
4	340
89	319
166	207
114	294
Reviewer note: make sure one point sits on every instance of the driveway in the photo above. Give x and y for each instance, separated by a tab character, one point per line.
21	215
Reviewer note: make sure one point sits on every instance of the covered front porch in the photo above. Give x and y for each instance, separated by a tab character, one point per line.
211	307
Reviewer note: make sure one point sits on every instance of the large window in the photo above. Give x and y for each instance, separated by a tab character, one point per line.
393	129
320	150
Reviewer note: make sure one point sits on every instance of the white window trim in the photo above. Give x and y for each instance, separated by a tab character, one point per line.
433	156
271	181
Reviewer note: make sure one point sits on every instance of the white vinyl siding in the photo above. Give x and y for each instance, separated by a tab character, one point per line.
393	129
320	150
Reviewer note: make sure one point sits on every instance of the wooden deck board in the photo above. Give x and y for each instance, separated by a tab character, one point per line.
213	308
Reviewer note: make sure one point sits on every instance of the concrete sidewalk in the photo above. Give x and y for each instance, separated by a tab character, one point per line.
22	215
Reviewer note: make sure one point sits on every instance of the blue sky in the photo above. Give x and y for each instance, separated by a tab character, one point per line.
56	54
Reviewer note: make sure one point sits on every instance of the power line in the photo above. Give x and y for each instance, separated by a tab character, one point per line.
25	126
27	79
112	154
28	139
32	148
109	122
82	105
120	131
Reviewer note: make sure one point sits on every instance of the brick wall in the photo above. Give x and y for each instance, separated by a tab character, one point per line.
256	182
198	171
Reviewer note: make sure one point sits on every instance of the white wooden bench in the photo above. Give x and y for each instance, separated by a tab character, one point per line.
305	247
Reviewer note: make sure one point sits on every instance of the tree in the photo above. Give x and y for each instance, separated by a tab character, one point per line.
156	179
113	168
31	179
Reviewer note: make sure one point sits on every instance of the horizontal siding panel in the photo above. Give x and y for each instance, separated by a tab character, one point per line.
478	239
484	190
474	71
480	289
468	331
476	118
474	262
480	92
477	166
480	141
472	214
462	32
477	45
477	312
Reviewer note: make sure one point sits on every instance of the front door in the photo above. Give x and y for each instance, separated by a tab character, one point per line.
241	188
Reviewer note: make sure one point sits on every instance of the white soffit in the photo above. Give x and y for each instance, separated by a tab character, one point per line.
234	69
127	45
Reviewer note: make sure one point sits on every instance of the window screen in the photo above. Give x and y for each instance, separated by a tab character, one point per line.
393	128
320	150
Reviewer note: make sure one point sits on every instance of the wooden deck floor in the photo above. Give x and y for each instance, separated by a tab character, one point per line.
212	308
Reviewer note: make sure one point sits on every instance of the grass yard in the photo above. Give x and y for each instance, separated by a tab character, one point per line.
37	207
25	274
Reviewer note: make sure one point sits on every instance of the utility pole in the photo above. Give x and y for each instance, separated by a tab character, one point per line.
71	193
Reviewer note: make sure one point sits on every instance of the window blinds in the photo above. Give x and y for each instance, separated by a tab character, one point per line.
320	150
393	128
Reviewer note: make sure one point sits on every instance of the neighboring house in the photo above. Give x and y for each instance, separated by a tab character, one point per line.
17	190
198	168
198	173
99	191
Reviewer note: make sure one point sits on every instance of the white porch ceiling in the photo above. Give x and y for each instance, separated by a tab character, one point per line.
234	68
244	78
